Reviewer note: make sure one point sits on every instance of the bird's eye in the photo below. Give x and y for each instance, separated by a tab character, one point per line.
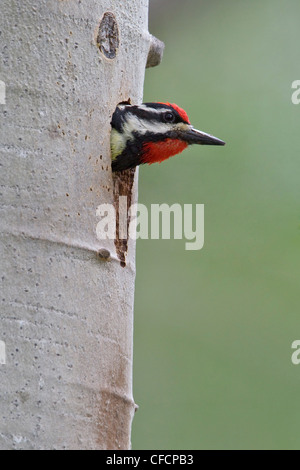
169	117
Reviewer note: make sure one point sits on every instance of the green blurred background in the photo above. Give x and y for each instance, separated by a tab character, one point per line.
213	328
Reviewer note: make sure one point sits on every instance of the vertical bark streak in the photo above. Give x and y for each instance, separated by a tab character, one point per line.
123	185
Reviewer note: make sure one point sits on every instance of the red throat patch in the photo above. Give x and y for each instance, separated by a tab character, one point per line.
154	152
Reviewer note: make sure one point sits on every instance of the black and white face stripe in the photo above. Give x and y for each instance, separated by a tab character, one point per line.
154	114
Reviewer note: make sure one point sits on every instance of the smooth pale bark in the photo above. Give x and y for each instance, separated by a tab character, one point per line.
66	314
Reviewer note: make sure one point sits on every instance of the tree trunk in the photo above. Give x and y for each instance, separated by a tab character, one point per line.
67	313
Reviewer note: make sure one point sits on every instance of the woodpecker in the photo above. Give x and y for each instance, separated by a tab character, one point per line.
152	132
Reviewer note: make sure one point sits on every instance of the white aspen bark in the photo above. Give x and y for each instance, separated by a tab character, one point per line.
66	314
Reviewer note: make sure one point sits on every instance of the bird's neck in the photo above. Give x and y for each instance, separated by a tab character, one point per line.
159	151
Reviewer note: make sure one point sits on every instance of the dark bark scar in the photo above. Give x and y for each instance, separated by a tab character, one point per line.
123	185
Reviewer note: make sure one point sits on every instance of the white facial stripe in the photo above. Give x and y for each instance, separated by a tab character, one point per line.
142	126
153	110
145	108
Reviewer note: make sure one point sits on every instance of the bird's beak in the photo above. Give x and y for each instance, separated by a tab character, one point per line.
193	136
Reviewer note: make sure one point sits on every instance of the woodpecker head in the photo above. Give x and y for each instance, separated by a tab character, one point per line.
152	132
